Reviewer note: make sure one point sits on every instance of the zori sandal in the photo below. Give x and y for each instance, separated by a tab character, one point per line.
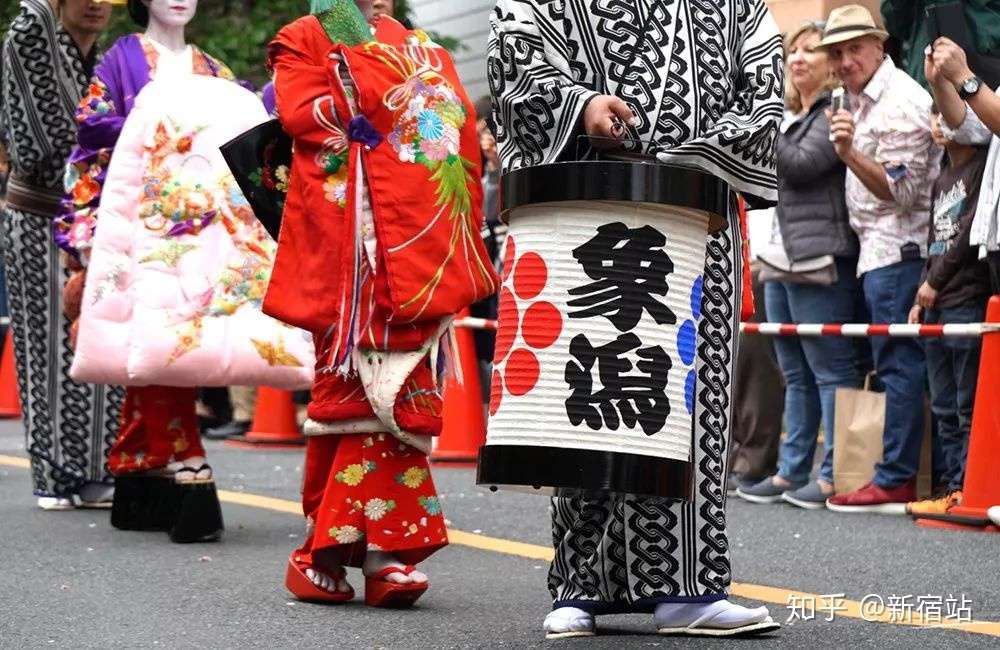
379	592
302	585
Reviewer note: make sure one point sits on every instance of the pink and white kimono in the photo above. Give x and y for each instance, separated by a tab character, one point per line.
179	263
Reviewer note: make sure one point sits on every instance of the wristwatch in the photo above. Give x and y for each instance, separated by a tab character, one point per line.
970	87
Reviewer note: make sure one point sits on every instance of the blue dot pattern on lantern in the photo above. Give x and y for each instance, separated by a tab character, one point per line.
696	298
689	383
687	341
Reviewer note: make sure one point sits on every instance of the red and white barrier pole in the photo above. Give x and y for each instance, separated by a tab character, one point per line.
475	323
971	330
864	330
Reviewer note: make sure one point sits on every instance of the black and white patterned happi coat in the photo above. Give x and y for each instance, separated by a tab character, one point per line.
705	78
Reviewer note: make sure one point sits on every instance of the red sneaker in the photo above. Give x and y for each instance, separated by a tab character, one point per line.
872	498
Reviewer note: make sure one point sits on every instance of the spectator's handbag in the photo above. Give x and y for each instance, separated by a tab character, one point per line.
859	421
776	267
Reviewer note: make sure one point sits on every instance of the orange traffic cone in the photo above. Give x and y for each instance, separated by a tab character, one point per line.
274	422
10	401
981	489
463	429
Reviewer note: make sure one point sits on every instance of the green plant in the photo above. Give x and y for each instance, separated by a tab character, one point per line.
235	31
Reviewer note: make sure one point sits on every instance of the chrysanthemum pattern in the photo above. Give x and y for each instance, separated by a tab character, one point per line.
385	497
376	509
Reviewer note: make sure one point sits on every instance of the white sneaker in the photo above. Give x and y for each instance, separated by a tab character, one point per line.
568	622
720	618
994	514
55	503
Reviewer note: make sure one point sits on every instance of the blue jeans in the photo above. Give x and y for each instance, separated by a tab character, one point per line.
899	363
814	367
953	370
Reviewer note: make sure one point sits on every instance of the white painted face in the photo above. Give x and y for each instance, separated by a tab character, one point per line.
171	13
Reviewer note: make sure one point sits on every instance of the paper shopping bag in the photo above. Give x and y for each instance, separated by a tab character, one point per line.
859	419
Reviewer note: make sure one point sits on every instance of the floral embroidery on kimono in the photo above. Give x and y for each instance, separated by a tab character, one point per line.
127	66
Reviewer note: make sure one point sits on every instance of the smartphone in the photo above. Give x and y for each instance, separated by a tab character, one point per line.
838	100
948	19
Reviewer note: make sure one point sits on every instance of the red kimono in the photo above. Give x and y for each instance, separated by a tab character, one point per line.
379	248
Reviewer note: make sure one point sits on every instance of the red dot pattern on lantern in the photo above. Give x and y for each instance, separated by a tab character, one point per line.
530	276
517	370
542	325
508	258
521	372
496	392
509	322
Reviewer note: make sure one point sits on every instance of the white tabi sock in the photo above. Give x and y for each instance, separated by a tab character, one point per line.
569	621
720	614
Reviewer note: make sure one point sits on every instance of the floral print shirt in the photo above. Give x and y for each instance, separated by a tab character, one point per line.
892	127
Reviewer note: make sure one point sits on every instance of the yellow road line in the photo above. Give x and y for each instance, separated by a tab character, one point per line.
498	545
774	595
258	501
15	461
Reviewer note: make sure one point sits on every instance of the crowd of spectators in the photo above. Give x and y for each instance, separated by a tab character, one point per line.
887	213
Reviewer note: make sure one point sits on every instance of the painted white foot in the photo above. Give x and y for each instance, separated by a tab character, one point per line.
994	514
336	583
721	618
193	469
376	561
566	622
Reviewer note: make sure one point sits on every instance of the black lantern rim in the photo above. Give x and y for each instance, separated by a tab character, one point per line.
584	469
612	180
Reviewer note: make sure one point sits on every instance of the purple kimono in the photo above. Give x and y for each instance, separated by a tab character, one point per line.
125	70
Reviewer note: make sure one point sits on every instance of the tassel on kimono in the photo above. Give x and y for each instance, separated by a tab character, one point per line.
347	330
444	359
453	360
443	355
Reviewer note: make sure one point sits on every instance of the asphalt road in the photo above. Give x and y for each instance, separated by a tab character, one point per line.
67	579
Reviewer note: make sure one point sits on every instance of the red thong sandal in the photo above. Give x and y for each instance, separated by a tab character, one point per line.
297	582
379	592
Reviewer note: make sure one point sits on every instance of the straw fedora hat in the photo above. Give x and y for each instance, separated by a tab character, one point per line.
850	21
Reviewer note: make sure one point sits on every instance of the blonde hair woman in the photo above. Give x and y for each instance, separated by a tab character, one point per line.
807	69
809	275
